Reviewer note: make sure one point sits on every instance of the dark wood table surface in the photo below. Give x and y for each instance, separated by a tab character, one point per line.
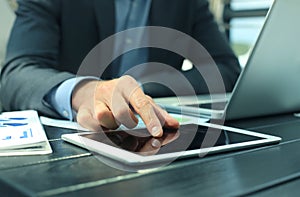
72	171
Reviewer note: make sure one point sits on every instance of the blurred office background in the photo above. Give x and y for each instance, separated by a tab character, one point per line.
241	21
6	20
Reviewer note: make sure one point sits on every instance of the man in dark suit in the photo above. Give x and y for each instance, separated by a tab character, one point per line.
51	38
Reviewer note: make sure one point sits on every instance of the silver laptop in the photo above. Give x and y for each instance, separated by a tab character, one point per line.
270	81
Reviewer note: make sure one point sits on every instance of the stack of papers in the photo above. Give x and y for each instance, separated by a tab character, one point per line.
21	133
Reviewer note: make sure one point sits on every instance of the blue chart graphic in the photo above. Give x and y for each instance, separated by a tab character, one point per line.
14	128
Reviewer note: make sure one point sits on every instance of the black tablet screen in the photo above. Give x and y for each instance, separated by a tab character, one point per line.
187	137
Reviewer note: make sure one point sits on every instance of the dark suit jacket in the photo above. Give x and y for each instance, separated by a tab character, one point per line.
50	38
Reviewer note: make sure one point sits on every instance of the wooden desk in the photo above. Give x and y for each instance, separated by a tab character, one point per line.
72	171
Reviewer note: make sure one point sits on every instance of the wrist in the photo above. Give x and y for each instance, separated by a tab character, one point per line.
82	92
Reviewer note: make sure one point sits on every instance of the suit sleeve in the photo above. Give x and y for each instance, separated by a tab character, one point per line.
31	66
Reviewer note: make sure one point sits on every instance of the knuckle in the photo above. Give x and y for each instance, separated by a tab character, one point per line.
141	103
105	88
127	78
107	92
149	99
128	86
128	81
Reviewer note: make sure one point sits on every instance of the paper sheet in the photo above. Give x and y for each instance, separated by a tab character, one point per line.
21	133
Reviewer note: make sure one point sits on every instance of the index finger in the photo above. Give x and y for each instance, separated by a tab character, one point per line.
142	105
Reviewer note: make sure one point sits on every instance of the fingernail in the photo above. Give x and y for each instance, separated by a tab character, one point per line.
156	143
156	131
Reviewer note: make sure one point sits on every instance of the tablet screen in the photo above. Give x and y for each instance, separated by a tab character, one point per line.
187	137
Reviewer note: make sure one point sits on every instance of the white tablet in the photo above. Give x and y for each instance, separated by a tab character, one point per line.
137	147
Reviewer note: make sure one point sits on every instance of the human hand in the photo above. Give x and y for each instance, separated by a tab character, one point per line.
110	103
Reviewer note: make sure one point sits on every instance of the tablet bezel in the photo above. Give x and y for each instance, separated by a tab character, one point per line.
130	158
